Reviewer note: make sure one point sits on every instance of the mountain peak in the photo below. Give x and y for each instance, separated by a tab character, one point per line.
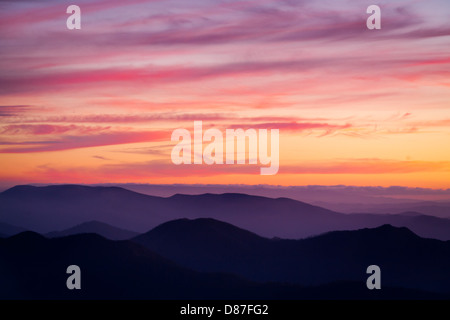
200	224
382	234
201	230
390	229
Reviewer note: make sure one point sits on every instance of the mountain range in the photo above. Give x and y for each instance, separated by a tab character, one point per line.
34	267
59	207
209	245
340	198
330	266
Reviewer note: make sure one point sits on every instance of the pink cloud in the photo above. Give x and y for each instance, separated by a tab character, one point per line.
11	111
48	129
295	126
86	141
148	75
281	122
432	123
132	79
50	11
129	118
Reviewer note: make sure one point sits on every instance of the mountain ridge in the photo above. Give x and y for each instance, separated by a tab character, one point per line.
336	255
33	267
101	228
59	207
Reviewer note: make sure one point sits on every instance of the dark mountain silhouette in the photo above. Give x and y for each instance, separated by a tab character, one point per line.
34	267
45	209
208	245
423	225
100	228
9	230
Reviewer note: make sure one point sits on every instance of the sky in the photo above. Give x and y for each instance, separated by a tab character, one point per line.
98	105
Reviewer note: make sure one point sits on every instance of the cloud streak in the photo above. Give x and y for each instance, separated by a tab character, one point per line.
162	168
69	142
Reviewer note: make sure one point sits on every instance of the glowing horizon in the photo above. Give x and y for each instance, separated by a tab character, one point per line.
98	105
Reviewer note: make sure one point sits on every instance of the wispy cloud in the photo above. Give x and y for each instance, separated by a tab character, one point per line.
10	111
86	141
163	168
49	129
100	158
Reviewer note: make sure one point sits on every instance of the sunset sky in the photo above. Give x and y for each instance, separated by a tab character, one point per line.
353	106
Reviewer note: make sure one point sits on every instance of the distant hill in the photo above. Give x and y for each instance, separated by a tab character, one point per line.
46	209
431	208
33	267
345	199
212	246
100	228
423	225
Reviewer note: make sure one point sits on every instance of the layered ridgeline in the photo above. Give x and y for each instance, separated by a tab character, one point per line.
100	228
209	259
208	245
53	208
34	267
